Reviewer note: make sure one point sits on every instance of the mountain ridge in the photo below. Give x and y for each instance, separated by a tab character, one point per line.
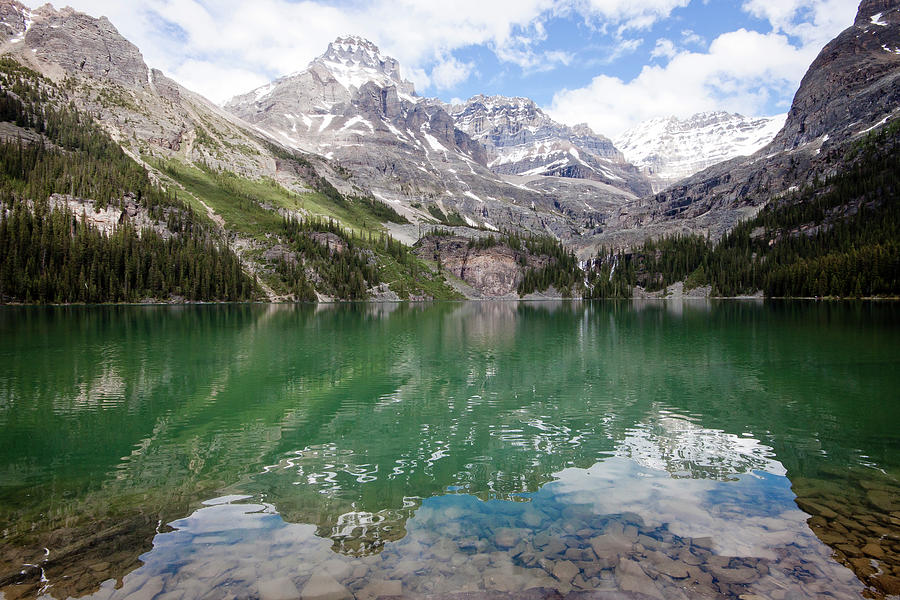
669	149
408	151
521	139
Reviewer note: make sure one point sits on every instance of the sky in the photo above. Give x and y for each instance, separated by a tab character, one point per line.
608	63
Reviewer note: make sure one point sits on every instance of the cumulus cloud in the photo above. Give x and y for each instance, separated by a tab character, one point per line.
664	48
449	72
721	78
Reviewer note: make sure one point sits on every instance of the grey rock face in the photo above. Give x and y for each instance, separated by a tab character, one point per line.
494	272
523	140
84	45
12	20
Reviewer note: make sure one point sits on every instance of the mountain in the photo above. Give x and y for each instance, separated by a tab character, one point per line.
852	88
310	184
814	213
668	150
521	139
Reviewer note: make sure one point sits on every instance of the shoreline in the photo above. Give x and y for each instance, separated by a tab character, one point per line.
457	301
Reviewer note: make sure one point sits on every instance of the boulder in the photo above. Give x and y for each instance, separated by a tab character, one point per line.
323	587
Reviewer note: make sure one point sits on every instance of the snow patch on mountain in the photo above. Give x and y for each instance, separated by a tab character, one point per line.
670	149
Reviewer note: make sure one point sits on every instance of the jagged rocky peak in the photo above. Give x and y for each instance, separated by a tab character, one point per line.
76	42
354	61
497	105
500	118
523	140
875	11
356	53
583	130
348	64
501	122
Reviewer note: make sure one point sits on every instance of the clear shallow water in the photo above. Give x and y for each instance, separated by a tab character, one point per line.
660	450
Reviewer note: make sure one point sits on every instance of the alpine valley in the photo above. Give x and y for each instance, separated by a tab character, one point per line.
340	182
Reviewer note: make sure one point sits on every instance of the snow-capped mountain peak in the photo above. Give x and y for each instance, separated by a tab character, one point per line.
354	61
346	66
668	149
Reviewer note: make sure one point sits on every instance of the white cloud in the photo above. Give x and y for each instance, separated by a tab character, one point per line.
450	72
692	38
531	61
722	78
811	21
629	14
210	76
664	48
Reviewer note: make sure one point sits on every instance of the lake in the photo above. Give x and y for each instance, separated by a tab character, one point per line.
664	450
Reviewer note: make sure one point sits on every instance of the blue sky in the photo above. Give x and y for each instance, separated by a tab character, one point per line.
592	51
610	63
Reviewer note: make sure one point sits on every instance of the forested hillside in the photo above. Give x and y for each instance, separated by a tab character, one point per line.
838	238
51	156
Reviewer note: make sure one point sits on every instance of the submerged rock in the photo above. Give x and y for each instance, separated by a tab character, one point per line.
378	589
324	587
631	578
282	588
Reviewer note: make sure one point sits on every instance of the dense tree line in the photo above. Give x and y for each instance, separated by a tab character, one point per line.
561	269
840	237
343	269
49	254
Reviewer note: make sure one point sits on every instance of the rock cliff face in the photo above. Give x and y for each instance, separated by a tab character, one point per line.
851	88
521	139
74	42
82	44
13	24
494	272
853	83
670	149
